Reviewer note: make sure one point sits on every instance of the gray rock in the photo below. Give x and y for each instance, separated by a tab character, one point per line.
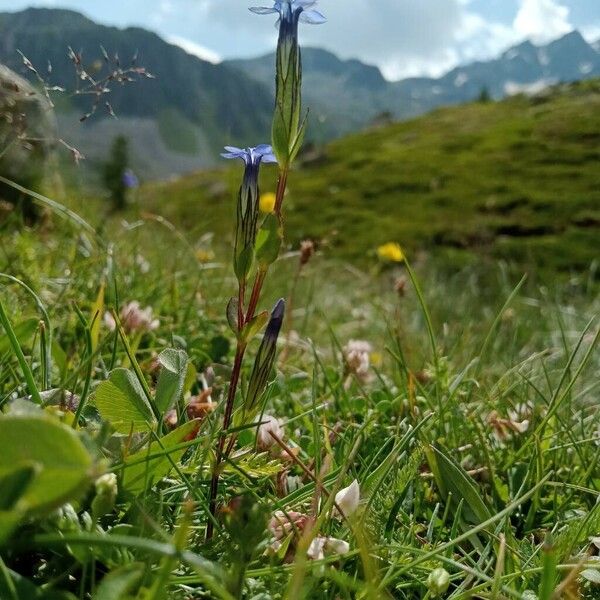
27	134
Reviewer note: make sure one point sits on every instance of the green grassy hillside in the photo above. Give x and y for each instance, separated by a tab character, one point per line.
518	179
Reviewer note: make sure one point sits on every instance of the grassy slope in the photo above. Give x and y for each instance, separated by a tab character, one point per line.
517	179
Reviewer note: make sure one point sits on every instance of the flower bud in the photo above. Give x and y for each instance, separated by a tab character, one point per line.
106	495
265	359
438	582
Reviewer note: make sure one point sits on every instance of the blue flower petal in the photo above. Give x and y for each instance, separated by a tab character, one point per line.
314	17
297	6
263	10
234	149
269	158
233	152
263	149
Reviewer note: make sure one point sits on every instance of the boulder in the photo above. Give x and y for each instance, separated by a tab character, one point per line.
27	136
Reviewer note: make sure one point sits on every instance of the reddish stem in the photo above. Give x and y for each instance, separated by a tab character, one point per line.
214	484
255	295
237	365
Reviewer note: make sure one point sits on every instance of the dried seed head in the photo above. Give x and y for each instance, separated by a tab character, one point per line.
307	250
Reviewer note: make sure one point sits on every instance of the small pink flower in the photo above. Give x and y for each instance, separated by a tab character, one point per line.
283	523
134	319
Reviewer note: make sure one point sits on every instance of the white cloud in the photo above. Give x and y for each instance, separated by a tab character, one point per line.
473	38
542	20
591	33
194	49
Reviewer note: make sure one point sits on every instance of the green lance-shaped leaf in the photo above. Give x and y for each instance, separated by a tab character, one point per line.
252	327
264	360
455	480
120	583
243	262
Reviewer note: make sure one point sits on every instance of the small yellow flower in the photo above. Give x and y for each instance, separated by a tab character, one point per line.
205	256
267	202
391	252
376	359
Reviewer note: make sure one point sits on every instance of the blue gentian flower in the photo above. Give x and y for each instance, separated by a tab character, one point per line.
129	179
293	10
251	156
248	203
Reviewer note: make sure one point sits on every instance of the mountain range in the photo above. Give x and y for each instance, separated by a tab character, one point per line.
347	95
177	121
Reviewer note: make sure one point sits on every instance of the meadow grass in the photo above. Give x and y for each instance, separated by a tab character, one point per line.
473	435
515	180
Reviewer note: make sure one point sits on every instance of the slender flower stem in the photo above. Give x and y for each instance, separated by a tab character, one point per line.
261	275
237	365
255	296
214	484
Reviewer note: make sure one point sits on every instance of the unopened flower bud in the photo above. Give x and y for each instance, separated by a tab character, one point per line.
106	495
348	499
66	519
438	582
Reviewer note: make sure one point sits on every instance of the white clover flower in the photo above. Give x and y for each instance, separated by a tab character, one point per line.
134	319
270	425
316	550
348	499
336	546
358	362
322	546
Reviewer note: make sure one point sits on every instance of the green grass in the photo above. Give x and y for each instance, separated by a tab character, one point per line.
178	133
438	486
473	434
515	180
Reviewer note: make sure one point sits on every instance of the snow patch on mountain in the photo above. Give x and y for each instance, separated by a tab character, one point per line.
529	89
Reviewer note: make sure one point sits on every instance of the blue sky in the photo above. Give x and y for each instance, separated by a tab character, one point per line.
403	37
